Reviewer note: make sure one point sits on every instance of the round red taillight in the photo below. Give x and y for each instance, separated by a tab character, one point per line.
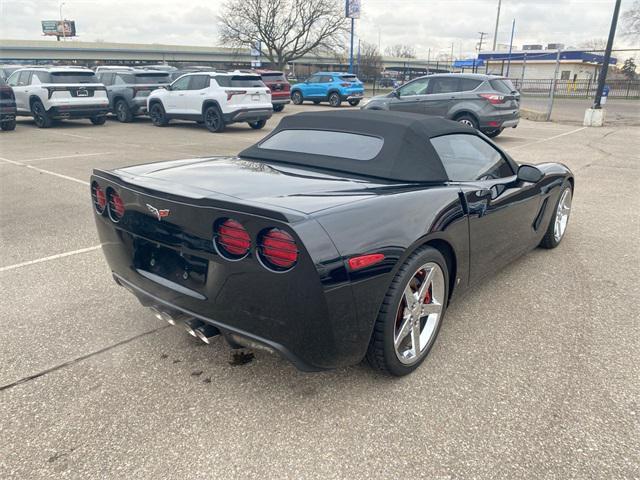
115	205
99	198
231	239
278	250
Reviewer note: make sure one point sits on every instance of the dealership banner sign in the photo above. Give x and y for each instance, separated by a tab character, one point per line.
352	8
59	28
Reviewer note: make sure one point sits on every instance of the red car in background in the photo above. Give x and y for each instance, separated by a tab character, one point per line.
279	86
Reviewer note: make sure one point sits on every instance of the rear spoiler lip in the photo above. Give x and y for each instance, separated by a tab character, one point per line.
237	205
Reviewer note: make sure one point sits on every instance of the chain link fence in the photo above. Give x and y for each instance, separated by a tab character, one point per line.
627	89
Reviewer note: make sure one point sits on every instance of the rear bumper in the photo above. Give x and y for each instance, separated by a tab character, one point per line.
498	119
353	96
248	115
149	300
80	111
7	113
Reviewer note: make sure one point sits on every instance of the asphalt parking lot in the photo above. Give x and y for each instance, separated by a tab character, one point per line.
534	374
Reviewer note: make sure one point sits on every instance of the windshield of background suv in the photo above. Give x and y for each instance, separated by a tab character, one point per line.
502	86
245	81
73	77
273	77
146	78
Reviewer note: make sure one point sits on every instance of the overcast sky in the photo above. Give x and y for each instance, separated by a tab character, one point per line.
434	24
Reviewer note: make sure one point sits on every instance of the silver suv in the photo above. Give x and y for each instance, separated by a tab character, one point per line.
485	102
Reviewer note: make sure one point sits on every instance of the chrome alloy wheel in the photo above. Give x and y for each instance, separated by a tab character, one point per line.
419	313
562	215
467	122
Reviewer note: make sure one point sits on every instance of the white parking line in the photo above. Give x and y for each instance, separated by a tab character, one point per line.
68	156
59	175
52	257
74	135
548	138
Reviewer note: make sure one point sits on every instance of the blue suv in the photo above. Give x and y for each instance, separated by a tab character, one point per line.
334	87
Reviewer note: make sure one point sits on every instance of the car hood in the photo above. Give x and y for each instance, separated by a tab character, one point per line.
227	178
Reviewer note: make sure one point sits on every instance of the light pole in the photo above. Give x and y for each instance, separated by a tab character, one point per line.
64	35
495	33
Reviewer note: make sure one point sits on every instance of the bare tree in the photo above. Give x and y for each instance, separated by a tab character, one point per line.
287	29
400	51
370	60
631	20
594	44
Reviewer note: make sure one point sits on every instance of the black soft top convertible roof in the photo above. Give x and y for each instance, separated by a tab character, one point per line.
407	154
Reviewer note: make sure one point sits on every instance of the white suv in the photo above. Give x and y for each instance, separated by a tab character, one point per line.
213	98
59	92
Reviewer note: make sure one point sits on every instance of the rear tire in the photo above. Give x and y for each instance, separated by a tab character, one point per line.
123	112
296	98
278	108
98	119
158	115
257	125
354	103
213	119
40	115
493	133
334	100
8	126
467	120
410	306
560	219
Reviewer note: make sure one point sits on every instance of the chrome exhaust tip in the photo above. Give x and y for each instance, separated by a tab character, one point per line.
206	333
191	325
171	318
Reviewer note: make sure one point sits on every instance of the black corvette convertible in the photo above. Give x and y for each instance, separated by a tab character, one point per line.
339	236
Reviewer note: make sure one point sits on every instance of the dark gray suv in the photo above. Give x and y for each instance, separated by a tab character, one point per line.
487	103
128	90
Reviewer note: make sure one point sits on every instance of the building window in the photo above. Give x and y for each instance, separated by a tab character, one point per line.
565	75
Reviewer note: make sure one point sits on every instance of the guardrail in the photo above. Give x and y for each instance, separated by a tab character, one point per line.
576	88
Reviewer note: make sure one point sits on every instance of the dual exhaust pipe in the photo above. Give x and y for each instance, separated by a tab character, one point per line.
193	326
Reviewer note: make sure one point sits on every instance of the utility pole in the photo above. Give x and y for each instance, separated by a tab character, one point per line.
513	29
607	56
351	50
428	60
495	33
524	65
482	34
452	57
64	34
553	85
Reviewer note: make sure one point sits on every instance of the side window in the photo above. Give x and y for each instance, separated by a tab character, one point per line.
198	82
38	78
445	85
13	79
468	84
468	158
182	83
25	79
417	87
326	79
314	79
118	80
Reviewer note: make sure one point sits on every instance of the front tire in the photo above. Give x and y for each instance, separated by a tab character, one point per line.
213	119
257	125
296	98
334	100
411	314
278	108
560	219
98	119
40	115
354	103
8	126
158	115
123	112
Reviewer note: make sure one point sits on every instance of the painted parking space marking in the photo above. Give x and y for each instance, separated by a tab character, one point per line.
41	170
50	257
549	138
60	157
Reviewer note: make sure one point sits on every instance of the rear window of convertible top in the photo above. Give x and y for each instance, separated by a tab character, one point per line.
351	146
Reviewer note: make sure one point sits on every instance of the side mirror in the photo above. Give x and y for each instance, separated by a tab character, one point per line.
395	93
168	87
529	174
